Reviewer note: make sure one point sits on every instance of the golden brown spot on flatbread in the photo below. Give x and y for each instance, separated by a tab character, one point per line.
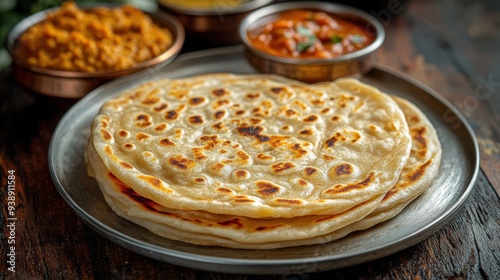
224	190
359	106
154	182
220	92
244	200
328	157
240	112
143	120
181	162
242	155
217	167
309	171
235	223
418	173
303	106
161	127
354	186
291	112
355	136
282	166
335	118
218	126
391	126
146	203
126	165
198	153
178	93
196	119
289	201
411	178
171	115
219	114
392	191
178	133
372	127
255	121
106	135
254	131
262	156
166	142
104	124
195	101
343	169
221	103
325	111
318	102
414	119
286	127
209	138
311	118
417	134
142	136
329	217
269	227
199	180
160	107
150	100
206	138
297	150
253	95
330	142
302	183
277	90
306	132
338	136
241	174
265	188
129	146
123	133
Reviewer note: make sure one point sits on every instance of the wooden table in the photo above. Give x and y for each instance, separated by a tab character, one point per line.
451	46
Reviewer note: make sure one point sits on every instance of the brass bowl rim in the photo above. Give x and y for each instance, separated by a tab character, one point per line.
253	19
245	7
160	17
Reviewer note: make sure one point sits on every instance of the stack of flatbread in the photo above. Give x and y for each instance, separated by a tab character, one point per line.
259	162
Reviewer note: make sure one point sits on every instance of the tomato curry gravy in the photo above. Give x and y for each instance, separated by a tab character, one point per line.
311	35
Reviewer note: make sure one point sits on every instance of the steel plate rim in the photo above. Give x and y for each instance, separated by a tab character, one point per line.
139	246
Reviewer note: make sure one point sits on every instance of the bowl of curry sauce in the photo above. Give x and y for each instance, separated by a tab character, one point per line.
311	41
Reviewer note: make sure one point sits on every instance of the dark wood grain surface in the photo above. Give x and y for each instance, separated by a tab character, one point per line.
451	46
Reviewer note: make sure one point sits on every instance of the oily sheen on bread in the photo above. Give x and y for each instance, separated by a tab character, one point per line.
252	145
203	228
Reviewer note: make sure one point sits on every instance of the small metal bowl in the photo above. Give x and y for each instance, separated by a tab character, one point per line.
75	84
312	70
218	25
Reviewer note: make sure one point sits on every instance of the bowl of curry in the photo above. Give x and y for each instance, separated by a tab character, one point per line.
311	41
68	51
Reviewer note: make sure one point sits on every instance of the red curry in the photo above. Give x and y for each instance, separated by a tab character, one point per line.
311	35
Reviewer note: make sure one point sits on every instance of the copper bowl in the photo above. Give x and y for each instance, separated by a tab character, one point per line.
74	84
217	25
312	70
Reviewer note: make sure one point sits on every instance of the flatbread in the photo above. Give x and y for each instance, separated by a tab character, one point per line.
129	204
252	145
418	173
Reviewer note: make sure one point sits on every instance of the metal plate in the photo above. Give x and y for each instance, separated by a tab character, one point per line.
423	217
